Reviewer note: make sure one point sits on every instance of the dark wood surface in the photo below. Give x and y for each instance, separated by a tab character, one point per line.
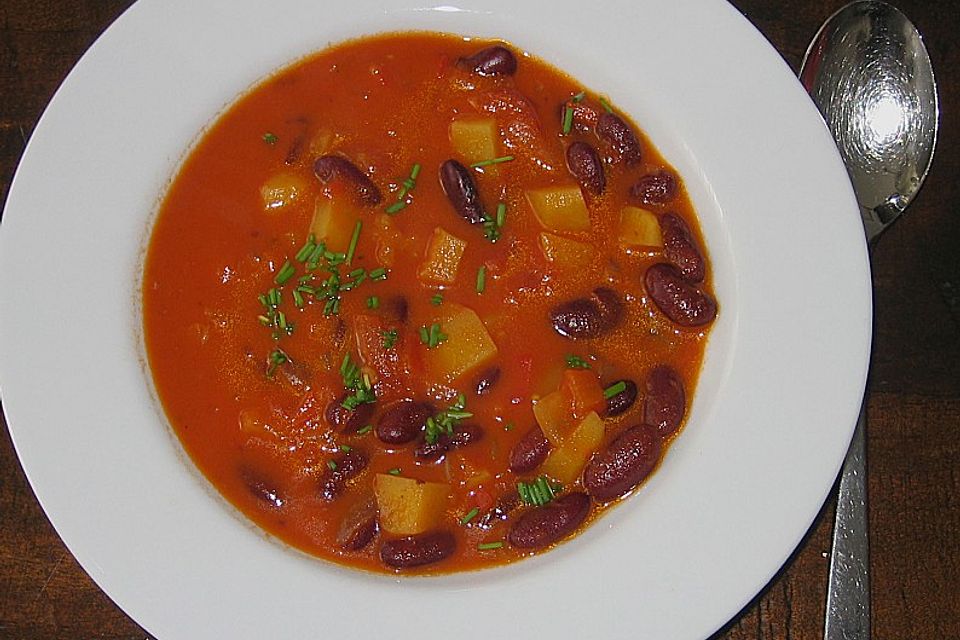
914	386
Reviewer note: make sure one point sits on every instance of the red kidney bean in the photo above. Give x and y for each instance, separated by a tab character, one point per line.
655	188
584	165
262	488
506	504
418	550
680	249
487	380
540	527
397	309
344	467
359	525
326	168
679	299
530	452
612	129
461	191
348	420
401	422
665	403
623	464
588	317
492	61
463	435
619	403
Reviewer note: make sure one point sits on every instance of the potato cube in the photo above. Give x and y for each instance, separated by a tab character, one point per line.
467	346
475	140
640	228
282	190
560	208
333	223
554	414
442	258
566	462
566	253
409	506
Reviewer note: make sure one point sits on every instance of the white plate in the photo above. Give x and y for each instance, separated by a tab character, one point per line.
771	420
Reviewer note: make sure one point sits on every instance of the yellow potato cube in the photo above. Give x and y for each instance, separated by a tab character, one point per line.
554	414
333	223
640	228
408	506
282	190
566	462
475	140
560	208
467	346
442	258
566	253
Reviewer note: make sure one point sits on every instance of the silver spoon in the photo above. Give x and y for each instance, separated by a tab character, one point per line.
868	72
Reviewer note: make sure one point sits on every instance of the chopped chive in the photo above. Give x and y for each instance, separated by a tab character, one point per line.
470	515
277	358
437	299
508	426
579	97
394	472
397	206
270	138
606	105
614	389
346	448
389	338
481	279
567	119
263	300
487	163
489	546
576	362
415	171
332	465
378	274
353	241
305	250
424	335
315	255
297	298
286	272
265	321
282	320
365	430
501	214
373	302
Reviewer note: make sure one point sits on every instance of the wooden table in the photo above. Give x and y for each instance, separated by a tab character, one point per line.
914	407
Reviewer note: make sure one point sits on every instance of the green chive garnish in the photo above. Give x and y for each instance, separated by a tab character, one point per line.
576	362
332	465
346	448
378	274
373	302
606	105
488	546
579	97
353	241
394	472
269	138
614	389
437	299
487	163
470	515
567	119
481	279
365	430
306	249
396	207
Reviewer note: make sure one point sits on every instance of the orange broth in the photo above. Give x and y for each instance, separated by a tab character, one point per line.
243	204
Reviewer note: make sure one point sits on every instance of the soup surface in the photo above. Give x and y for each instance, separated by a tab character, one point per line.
423	303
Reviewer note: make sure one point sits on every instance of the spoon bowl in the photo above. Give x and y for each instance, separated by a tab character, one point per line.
869	73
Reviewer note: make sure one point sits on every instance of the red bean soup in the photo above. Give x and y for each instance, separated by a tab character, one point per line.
424	304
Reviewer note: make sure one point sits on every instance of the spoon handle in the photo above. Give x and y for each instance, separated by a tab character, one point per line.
848	588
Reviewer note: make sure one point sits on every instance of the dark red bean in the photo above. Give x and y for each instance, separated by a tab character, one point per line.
584	165
540	527
506	504
463	435
397	309
492	61
615	132
619	403
680	248
359	525
655	188
330	167
348	420
403	421
588	317
344	467
679	299
261	487
461	191
418	550
487	380
665	403
623	465
530	452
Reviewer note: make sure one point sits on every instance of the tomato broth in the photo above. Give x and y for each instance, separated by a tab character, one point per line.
424	303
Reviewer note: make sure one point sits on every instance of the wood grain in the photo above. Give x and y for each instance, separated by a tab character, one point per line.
914	386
